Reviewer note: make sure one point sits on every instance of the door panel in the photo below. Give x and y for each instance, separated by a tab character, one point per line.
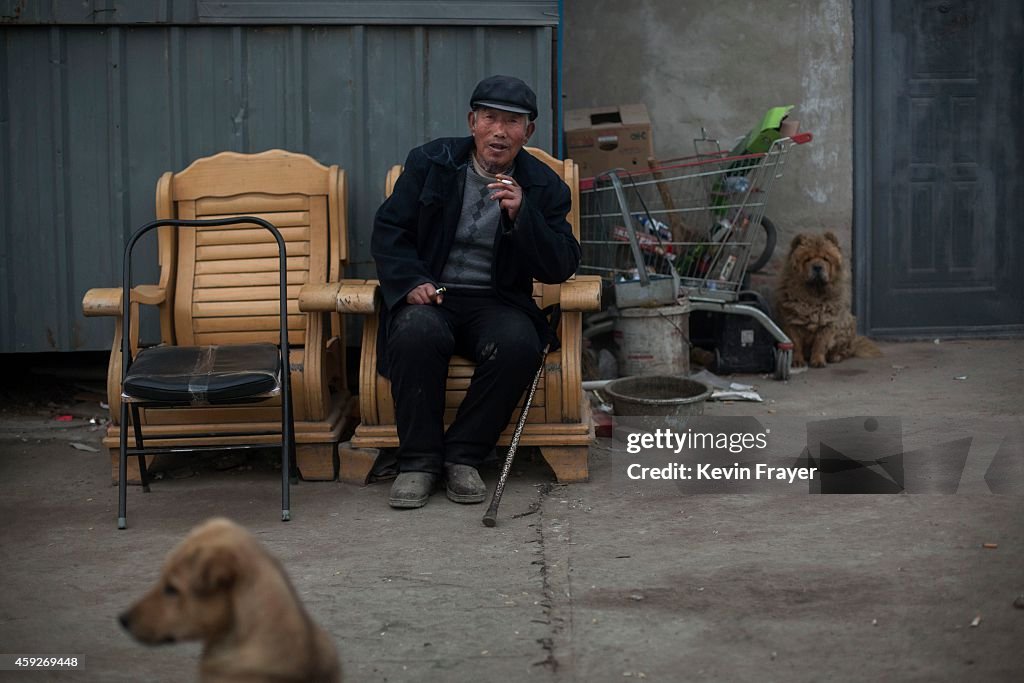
945	209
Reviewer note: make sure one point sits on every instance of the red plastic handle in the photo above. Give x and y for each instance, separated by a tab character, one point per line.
801	138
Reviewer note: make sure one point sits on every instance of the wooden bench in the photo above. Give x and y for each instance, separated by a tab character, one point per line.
559	421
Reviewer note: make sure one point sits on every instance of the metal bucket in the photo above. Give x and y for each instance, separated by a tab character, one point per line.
650	396
653	341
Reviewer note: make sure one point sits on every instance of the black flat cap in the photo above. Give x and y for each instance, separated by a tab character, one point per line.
507	93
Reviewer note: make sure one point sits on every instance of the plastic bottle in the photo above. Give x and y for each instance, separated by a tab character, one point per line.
737	184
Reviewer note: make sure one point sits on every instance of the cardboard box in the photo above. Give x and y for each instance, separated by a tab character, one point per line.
603	138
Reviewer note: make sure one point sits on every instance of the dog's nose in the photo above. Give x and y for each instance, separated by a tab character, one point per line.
816	268
125	620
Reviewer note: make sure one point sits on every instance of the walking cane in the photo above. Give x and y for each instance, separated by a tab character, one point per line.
491	516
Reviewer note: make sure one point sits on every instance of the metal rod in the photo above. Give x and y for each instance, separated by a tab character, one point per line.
491	516
627	219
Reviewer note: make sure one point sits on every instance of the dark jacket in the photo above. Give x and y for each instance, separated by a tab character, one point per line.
414	230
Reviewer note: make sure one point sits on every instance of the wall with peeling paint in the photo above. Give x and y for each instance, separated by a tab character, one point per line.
720	65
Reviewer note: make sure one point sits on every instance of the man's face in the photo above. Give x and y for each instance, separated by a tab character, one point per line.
499	135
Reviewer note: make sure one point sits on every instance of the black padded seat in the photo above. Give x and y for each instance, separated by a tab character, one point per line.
183	376
203	374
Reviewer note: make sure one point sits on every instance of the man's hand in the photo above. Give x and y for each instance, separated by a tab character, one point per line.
508	194
427	293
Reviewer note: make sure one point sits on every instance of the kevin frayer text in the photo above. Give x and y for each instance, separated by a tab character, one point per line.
734	443
760	471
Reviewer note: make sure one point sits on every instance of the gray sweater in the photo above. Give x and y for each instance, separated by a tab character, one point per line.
469	261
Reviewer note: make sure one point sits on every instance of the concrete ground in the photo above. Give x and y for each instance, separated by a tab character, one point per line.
605	581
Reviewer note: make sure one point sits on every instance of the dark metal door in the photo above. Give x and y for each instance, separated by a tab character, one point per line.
940	215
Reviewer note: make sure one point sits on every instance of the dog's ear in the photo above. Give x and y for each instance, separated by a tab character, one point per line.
831	237
215	569
797	241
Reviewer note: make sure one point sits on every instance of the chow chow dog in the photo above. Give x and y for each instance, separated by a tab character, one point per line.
221	587
813	303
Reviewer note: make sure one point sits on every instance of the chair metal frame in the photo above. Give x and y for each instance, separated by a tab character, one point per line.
283	386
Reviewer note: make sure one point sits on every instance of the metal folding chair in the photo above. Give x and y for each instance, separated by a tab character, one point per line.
169	376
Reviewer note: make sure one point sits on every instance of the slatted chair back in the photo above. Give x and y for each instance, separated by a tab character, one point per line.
546	295
225	286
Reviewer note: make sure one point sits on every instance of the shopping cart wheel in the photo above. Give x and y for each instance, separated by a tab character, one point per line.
763	244
783	359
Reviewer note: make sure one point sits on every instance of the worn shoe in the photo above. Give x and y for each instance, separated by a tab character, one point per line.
464	484
412	489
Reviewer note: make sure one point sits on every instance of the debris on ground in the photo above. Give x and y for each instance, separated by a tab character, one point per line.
533	509
726	390
976	621
601	412
990	546
83	447
228	461
183	473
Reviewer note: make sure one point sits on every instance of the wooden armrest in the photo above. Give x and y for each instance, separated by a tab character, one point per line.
347	296
582	293
107	300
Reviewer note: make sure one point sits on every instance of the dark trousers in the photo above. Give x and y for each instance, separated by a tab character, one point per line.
503	343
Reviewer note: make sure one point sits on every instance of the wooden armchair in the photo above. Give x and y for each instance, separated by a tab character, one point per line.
559	421
220	286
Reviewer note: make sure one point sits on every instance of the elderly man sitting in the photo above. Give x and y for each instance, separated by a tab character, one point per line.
471	223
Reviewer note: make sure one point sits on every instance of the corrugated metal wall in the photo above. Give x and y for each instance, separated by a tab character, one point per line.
90	116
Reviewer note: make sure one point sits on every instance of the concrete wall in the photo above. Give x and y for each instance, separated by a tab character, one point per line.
721	65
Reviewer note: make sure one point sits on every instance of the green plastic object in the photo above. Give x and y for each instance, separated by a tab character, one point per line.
758	141
761	137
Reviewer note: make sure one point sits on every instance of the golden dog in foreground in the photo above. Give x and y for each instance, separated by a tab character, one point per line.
220	586
813	303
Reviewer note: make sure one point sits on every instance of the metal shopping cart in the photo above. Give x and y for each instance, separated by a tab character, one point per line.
685	229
